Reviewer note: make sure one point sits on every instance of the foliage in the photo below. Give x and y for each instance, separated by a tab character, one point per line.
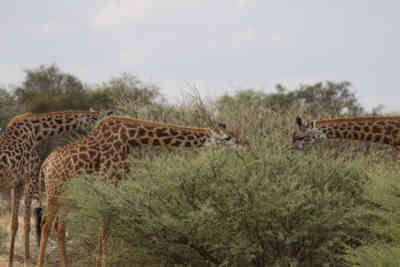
124	88
249	114
8	107
48	89
265	207
386	191
336	99
318	100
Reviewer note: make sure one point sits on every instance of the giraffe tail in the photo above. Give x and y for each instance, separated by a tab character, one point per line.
38	223
38	212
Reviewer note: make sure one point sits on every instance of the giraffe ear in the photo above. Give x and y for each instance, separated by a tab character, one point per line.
299	122
221	125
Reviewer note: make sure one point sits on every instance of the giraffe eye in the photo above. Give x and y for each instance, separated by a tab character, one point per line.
299	138
228	138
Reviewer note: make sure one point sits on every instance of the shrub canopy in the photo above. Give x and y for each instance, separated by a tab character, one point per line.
221	207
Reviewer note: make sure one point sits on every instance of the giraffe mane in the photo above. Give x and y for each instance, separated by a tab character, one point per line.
148	123
364	118
18	117
40	115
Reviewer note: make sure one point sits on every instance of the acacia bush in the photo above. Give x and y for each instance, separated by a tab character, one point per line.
222	207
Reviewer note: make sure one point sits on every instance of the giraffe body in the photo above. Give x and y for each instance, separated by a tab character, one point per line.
20	162
105	151
385	130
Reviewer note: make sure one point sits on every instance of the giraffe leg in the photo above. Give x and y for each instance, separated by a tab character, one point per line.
61	220
27	224
51	213
103	235
16	194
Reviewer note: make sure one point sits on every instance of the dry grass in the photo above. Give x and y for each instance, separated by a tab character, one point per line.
5	224
52	252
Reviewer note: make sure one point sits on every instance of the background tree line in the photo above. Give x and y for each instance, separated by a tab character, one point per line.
47	88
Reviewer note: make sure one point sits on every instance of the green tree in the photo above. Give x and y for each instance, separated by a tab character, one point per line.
318	100
8	107
248	110
47	88
123	89
332	98
247	96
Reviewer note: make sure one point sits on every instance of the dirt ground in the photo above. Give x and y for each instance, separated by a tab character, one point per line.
19	251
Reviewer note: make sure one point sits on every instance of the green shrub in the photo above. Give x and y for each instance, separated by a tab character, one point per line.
221	207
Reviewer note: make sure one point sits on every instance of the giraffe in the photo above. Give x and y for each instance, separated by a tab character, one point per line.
385	130
105	151
20	162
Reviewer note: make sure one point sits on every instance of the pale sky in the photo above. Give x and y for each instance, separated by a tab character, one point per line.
217	46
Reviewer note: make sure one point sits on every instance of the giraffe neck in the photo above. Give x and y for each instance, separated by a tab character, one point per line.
34	128
385	130
133	132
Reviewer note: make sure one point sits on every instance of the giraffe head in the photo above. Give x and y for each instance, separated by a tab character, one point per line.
220	136
306	134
